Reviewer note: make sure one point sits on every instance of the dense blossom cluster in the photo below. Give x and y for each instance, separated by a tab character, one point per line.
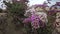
42	16
35	21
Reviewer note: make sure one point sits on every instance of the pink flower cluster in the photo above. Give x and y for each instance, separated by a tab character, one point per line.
34	20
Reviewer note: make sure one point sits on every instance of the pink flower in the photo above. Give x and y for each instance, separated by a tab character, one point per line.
35	21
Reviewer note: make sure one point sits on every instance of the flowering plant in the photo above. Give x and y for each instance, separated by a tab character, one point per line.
35	21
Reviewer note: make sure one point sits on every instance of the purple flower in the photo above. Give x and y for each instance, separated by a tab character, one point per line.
26	20
58	3
51	12
34	17
35	21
